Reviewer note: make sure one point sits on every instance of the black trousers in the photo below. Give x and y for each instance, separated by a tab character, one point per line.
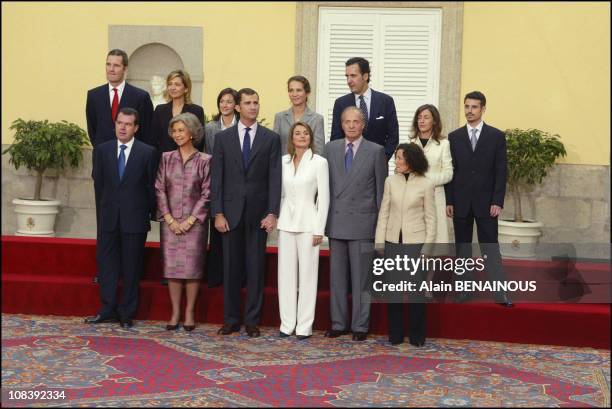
396	307
118	254
244	254
486	228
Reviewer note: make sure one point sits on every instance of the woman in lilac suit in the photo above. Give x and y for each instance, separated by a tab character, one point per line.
183	191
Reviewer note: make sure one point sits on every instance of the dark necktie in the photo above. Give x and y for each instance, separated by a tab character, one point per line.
364	108
115	105
121	161
348	157
246	148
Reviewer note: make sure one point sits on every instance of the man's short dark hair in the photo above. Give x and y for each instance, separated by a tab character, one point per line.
364	65
414	157
119	53
245	91
476	95
129	112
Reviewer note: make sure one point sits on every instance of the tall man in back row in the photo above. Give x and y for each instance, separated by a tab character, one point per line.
381	124
477	189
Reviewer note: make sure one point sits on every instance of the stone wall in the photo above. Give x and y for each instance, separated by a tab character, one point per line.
573	202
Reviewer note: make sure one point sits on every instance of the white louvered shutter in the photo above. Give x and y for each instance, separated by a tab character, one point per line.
402	46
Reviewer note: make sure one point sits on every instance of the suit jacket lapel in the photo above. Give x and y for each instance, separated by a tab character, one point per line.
465	138
106	105
482	138
257	143
235	148
358	162
373	106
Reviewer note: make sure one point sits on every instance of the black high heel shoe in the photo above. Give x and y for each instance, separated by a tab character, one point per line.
171	327
189	328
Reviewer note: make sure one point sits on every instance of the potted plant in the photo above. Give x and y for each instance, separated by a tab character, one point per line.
531	153
41	145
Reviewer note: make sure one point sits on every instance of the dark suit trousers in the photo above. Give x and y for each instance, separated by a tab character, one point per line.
396	307
118	253
486	228
214	261
244	253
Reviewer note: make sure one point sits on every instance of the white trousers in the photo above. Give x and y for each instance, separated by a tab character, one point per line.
298	271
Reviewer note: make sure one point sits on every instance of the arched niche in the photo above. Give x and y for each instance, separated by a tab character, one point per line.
150	62
157	50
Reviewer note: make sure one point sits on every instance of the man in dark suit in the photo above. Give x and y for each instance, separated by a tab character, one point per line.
379	109
105	101
478	187
246	190
124	180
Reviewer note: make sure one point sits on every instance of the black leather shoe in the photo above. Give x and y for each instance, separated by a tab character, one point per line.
303	337
281	334
359	336
189	328
98	319
335	333
252	331
396	341
171	327
126	323
227	329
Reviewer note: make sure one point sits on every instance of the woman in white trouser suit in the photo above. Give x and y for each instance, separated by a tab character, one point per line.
301	223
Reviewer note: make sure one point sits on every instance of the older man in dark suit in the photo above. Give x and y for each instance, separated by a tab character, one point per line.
381	124
246	191
124	179
478	187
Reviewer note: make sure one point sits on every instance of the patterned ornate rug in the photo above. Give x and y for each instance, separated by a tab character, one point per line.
60	361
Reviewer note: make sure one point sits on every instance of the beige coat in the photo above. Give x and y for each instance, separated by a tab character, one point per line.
407	205
440	172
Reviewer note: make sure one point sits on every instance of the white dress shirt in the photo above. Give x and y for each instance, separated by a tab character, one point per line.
127	150
111	93
242	131
478	130
223	127
367	97
356	144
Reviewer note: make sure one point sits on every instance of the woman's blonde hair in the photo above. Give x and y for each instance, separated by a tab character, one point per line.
184	76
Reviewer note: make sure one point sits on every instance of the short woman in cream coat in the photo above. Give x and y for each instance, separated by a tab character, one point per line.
427	133
408	216
301	224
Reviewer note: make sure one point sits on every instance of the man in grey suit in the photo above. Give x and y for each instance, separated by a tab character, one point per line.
357	172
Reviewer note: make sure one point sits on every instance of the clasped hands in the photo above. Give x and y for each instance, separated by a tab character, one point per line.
176	227
268	223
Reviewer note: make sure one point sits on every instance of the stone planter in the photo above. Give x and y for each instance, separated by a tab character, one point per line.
36	217
518	240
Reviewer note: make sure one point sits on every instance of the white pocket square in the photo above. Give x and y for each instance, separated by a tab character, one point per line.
381	117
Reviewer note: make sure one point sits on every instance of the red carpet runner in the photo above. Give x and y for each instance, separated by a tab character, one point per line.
54	276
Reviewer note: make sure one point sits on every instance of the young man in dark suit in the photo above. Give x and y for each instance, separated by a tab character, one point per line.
477	189
246	191
124	180
379	109
105	101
